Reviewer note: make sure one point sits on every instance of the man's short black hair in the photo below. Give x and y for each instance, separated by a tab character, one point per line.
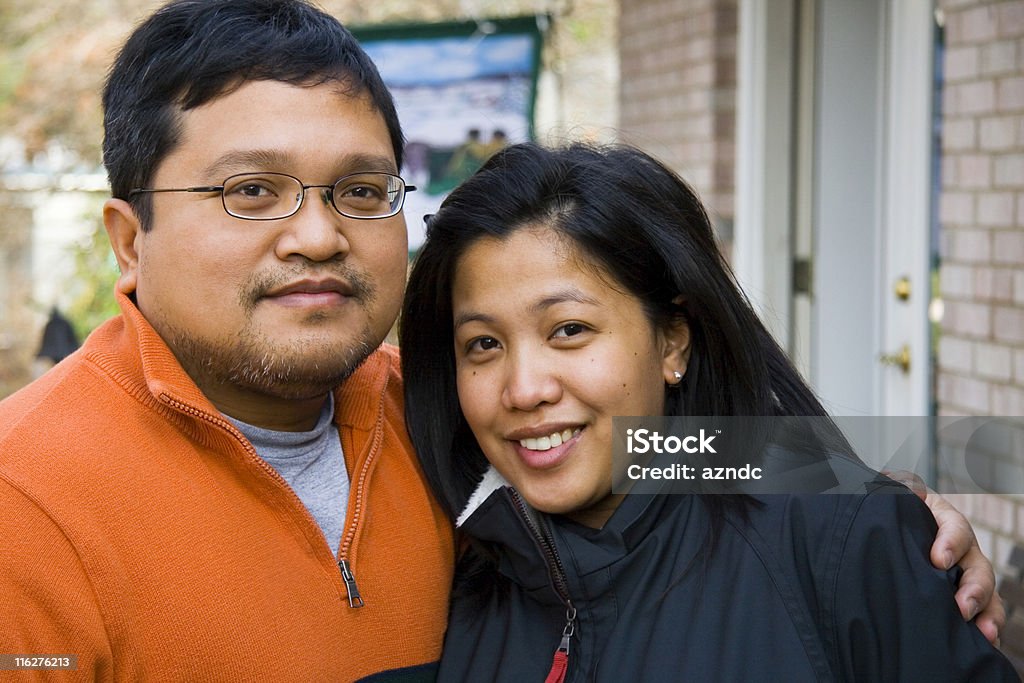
190	52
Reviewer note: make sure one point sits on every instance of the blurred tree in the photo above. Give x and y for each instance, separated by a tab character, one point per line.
55	53
91	296
52	67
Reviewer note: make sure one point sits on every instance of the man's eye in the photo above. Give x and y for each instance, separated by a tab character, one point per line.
363	192
254	197
252	190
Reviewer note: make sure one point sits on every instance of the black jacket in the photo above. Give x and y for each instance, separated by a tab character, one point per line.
808	588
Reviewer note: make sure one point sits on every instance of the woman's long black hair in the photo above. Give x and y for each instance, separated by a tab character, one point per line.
640	223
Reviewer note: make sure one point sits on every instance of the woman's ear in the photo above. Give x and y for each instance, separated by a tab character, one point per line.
124	231
675	347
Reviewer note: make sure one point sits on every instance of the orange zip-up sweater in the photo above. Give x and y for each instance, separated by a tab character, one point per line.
140	531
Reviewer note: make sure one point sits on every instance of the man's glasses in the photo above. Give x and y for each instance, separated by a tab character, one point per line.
271	196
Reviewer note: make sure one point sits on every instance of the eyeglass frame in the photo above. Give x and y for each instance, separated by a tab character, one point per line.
302	197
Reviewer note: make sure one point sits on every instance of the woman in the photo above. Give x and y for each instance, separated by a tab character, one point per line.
558	289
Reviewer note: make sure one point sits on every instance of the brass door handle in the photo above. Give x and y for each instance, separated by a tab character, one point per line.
901	359
902	289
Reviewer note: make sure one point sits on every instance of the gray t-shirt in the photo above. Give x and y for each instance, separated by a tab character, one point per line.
313	465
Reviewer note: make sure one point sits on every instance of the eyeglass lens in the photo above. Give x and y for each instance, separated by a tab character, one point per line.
273	195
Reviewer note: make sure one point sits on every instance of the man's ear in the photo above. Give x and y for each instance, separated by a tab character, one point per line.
125	231
675	347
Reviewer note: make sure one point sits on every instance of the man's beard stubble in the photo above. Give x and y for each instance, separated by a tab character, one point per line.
297	371
248	363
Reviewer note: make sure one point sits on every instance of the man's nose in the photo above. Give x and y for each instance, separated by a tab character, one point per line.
316	231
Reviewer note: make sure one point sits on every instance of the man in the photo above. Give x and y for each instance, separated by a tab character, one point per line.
218	485
177	500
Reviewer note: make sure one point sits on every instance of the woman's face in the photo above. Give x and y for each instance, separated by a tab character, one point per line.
547	352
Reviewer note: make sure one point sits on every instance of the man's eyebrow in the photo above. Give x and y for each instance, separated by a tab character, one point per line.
242	161
358	163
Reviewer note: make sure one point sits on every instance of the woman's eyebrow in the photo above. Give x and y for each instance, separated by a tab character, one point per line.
472	316
566	295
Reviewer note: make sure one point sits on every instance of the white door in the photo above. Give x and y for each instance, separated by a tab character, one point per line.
858	125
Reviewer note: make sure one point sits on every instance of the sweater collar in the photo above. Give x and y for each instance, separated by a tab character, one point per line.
132	353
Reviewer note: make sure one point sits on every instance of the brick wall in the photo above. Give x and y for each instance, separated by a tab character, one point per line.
981	211
677	91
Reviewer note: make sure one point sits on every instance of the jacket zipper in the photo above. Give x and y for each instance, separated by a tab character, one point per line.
354	599
560	662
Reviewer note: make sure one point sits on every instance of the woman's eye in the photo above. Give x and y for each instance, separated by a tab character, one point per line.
570	330
483	344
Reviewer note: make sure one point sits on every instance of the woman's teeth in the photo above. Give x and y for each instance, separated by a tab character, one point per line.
548	442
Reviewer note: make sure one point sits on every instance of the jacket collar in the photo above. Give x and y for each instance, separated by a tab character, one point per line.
491	482
491	515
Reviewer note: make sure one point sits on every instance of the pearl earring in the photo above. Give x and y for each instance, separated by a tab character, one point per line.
678	375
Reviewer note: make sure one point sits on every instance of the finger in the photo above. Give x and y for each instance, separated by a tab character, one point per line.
992	619
955	538
976	593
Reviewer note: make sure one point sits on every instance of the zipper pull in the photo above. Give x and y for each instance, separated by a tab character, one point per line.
560	664
354	600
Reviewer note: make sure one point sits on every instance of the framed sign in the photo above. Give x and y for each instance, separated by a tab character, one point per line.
463	91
